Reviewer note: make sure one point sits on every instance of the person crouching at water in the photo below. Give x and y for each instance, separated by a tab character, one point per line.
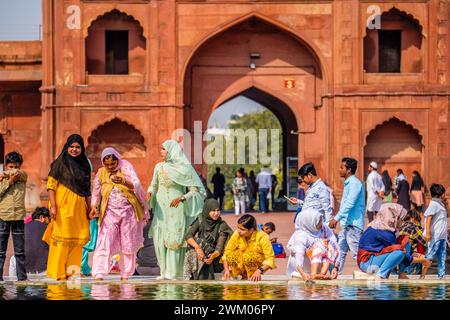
316	240
207	237
379	251
249	252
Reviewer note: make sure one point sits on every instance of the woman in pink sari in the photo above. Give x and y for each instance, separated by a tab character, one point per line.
122	217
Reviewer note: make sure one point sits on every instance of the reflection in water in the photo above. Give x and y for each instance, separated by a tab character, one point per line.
205	291
100	291
105	291
64	292
128	291
253	292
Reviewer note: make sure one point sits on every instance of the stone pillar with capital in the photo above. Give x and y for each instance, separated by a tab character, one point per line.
47	95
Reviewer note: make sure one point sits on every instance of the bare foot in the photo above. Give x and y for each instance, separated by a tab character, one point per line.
425	266
378	278
402	275
326	277
375	277
123	279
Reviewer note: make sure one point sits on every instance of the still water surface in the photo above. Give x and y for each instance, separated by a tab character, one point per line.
195	291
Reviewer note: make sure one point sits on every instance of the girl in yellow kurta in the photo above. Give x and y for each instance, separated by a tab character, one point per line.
249	252
69	187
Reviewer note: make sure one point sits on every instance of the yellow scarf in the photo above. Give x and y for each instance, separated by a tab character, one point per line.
107	185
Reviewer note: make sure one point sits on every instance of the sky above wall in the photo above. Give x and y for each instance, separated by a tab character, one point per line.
20	20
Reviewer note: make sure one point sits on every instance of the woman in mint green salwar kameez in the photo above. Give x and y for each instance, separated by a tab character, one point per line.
176	197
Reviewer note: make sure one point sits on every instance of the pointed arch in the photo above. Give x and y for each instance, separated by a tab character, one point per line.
311	47
393	119
244	85
394	144
408	16
283	114
115	44
119	134
397	46
112	13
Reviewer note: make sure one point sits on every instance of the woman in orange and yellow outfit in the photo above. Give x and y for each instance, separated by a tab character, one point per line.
68	186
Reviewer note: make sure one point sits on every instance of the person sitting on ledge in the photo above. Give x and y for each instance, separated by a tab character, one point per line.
316	240
378	250
249	252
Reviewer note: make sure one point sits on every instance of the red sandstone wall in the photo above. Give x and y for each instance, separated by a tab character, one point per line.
20	55
23	134
350	103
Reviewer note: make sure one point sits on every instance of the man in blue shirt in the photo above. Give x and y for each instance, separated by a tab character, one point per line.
351	212
317	195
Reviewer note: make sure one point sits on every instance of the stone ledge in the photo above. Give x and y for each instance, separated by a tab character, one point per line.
266	280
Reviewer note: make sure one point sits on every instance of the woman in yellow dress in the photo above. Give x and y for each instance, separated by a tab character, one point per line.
249	252
69	190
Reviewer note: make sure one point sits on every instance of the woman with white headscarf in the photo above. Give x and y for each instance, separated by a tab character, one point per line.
176	197
316	240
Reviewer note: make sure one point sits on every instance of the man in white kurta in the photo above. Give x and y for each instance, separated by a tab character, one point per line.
375	191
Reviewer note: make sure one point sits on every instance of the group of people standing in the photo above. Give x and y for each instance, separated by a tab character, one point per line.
246	189
381	189
116	203
191	240
394	239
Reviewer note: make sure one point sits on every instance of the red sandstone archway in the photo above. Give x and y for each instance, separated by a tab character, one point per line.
222	68
312	48
394	144
286	118
120	135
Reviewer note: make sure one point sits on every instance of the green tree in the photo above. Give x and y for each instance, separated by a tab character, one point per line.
256	120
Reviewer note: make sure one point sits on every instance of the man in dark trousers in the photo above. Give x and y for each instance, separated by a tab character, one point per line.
218	180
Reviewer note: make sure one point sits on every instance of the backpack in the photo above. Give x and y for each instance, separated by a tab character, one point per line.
278	250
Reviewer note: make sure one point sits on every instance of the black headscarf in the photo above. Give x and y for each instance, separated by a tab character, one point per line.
73	172
209	226
387	182
417	181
